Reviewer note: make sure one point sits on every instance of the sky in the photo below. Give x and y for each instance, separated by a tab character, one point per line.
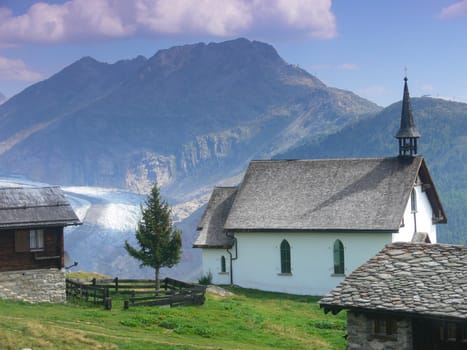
364	46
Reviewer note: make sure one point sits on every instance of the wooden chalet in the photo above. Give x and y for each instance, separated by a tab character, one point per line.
32	222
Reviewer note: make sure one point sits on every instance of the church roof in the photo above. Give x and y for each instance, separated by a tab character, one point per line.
22	207
366	194
407	128
211	225
415	278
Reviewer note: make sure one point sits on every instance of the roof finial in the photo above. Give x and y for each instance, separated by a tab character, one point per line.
405	74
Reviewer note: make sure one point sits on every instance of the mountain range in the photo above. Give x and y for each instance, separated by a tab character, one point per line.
192	117
188	116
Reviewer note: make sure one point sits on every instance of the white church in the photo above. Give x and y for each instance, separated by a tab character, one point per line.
301	226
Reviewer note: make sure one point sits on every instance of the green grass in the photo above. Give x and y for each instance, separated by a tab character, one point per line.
249	319
86	276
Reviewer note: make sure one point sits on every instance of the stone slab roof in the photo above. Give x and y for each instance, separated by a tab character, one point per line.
211	225
366	194
414	278
22	207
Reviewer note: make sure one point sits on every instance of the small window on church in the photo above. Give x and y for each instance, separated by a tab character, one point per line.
223	269
338	253
413	201
285	257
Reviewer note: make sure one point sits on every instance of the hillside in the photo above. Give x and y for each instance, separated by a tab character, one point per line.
188	116
247	320
443	125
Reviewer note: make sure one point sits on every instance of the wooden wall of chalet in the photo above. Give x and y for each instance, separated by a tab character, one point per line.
50	257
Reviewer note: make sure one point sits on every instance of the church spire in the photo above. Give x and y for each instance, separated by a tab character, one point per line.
407	134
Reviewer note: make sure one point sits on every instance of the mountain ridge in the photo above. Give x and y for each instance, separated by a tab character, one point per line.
193	111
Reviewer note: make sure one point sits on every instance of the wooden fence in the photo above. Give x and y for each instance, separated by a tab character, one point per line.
141	292
174	293
125	286
96	295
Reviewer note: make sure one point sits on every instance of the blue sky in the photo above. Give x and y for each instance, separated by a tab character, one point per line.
361	45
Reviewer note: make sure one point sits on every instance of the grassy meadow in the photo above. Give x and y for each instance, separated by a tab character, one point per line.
249	319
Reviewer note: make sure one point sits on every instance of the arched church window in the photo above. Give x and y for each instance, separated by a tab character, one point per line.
285	257
339	264
413	201
223	269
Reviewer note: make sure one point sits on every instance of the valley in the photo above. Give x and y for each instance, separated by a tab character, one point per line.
192	117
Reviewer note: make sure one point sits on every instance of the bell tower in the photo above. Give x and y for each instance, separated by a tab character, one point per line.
407	134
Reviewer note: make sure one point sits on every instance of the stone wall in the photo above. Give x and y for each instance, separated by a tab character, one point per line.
359	334
45	285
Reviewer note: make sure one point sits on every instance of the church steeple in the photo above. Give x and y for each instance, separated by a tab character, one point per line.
407	134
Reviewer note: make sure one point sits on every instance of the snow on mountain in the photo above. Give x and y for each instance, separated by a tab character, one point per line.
119	210
110	217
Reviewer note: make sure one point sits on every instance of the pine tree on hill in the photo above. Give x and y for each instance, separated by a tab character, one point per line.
159	242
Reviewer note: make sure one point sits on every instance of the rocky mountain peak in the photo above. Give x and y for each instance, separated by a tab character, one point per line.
188	116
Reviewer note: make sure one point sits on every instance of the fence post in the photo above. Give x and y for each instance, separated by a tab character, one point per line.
116	284
126	304
94	281
108	303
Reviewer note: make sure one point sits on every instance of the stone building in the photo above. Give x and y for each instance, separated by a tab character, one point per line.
410	296
32	220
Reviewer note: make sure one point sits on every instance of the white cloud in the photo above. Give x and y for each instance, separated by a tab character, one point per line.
53	23
342	66
203	16
323	66
313	16
347	66
372	92
15	69
77	19
456	10
427	88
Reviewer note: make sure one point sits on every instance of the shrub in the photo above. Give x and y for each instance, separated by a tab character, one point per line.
205	279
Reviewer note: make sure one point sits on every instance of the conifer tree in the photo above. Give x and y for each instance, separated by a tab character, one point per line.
159	242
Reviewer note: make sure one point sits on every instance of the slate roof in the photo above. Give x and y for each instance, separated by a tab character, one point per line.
211	225
22	207
365	194
412	278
